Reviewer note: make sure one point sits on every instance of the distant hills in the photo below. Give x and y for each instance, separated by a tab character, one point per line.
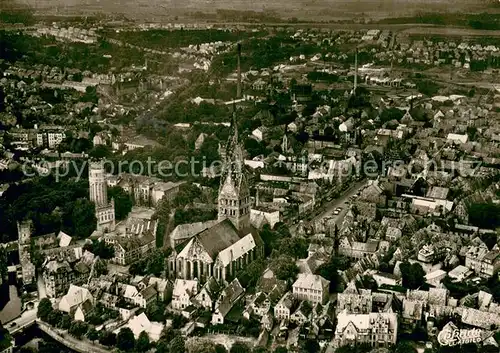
314	10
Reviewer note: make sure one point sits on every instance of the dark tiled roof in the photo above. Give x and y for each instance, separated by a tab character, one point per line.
219	237
148	292
229	295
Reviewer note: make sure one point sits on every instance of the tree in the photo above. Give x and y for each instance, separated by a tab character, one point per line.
413	275
405	347
142	344
311	346
79	218
65	322
329	271
123	202
162	346
259	350
284	268
269	238
489	348
5	338
391	114
48	347
250	275
484	215
107	338
281	349
78	329
254	147
125	339
156	311
156	263
427	87
26	349
3	265
220	348
240	347
44	309
92	334
55	318
100	152
295	247
101	248
178	345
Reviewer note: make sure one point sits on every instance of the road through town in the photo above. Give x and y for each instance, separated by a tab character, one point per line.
340	202
328	209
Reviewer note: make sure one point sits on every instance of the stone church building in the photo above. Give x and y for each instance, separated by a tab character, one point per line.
224	248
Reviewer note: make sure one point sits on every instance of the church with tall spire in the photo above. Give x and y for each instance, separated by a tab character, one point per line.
222	247
234	194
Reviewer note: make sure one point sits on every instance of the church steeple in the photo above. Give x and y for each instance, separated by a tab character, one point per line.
234	195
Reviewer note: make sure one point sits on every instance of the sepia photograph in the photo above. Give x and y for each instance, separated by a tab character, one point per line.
235	176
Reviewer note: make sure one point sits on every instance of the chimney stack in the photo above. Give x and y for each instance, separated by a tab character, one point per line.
238	92
355	72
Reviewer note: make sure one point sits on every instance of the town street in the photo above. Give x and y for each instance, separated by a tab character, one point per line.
79	345
340	202
26	319
328	208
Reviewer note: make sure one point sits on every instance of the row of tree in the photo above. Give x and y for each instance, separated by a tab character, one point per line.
51	205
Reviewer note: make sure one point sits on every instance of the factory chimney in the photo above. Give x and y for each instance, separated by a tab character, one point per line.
355	72
238	92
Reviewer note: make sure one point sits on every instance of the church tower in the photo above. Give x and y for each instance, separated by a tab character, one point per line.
234	194
104	210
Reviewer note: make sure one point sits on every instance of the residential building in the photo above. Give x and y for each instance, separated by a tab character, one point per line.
313	288
147	296
227	299
164	288
59	275
50	138
303	313
285	307
184	290
354	300
350	247
78	302
259	306
376	329
483	262
208	295
141	323
129	249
